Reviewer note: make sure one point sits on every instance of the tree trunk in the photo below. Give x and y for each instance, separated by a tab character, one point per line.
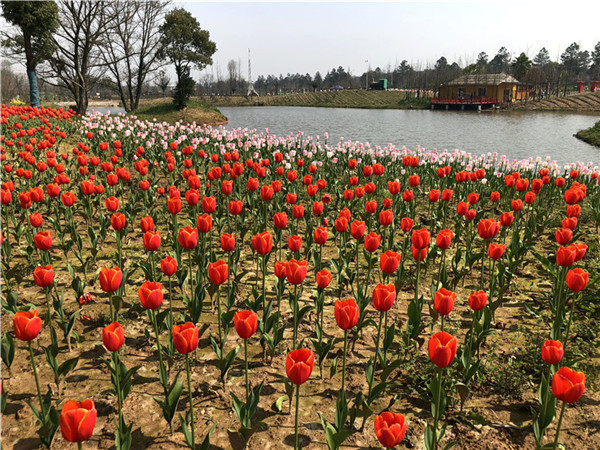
34	94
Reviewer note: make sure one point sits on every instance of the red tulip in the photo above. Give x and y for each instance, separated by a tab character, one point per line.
117	221
43	276
228	242
552	351
168	266
580	250
218	272
294	243
444	239
563	236
245	323
406	224
419	255
565	256
320	235
506	219
151	294
147	224
443	301
280	269
495	251
389	262
341	224
357	229
568	385
188	238
346	313
152	240
204	223
209	204
280	220
442	349
235	207
36	220
372	241
174	205
487	228
113	336
43	240
390	428
112	204
323	278
296	271
27	325
477	300
262	242
110	279
299	365
383	297
420	238
185	337
77	420
577	279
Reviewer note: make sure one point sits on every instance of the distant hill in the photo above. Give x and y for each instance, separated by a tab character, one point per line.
332	99
576	102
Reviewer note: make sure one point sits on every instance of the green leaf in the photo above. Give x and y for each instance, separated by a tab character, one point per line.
67	366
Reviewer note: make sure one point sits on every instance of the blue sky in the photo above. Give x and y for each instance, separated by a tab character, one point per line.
306	37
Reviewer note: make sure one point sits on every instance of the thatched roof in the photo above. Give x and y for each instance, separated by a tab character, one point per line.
483	79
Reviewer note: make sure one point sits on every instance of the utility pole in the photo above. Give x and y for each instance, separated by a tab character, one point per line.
367	75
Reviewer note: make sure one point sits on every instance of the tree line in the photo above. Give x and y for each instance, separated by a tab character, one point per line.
539	73
122	48
120	45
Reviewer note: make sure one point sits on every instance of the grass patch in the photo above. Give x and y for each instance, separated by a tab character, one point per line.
165	110
590	135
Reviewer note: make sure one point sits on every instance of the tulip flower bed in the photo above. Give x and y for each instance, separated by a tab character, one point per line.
172	286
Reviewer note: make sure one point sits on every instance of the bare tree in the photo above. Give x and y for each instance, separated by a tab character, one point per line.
77	63
130	47
14	85
162	81
232	68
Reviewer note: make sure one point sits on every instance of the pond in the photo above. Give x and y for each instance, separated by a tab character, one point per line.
518	135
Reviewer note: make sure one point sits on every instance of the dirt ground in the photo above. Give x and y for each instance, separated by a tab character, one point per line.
488	420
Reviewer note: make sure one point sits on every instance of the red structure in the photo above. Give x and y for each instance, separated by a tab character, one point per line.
580	86
594	86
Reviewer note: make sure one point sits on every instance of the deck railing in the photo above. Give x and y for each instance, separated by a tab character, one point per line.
466	101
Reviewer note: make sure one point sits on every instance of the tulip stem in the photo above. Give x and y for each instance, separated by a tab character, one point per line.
246	362
376	350
118	384
562	412
296	421
170	310
191	279
189	383
110	302
79	446
482	266
344	361
219	316
569	324
48	311
264	273
37	382
385	327
437	409
295	303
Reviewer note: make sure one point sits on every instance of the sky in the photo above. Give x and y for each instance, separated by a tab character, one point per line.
313	36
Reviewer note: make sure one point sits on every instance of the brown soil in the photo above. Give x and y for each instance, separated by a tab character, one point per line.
507	422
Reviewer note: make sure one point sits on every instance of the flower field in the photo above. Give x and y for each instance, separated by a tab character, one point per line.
172	286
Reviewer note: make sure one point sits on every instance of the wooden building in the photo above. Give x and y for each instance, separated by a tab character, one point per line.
476	91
